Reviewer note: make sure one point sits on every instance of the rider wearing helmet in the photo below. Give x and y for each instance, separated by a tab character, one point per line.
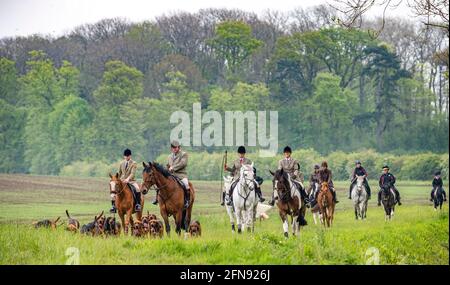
387	179
359	171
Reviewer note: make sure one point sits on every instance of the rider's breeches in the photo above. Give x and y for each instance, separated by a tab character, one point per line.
185	182
397	194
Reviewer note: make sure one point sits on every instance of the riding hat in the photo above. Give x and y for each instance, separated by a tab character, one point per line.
357	162
437	173
386	167
174	144
287	149
127	152
241	149
316	166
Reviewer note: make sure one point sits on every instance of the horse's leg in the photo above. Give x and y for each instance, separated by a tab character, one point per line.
129	218
285	223
238	215
166	221
356	212
122	219
231	216
178	217
295	225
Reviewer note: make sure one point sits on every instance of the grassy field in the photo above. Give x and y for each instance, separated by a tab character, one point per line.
417	235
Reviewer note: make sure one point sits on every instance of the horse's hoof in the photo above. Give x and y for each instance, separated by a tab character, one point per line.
286	235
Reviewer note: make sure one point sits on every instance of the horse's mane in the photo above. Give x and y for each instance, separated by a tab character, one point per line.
162	170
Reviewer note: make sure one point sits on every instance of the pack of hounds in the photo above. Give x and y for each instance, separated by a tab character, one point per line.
149	226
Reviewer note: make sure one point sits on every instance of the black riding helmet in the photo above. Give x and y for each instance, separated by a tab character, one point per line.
241	149
127	152
437	173
287	149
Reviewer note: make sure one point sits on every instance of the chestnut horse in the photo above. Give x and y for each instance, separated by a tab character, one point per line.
289	202
124	201
326	204
170	196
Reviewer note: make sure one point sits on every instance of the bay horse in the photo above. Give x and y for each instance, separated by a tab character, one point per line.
438	198
389	201
124	201
170	196
289	202
359	197
326	204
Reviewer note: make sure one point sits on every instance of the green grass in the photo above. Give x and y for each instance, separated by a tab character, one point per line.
417	235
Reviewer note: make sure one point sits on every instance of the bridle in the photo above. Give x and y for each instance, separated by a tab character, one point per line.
114	191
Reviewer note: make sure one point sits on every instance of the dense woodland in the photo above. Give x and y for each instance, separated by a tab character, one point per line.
86	95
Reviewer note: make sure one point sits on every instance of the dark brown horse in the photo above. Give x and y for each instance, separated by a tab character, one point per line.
326	204
170	196
289	202
124	201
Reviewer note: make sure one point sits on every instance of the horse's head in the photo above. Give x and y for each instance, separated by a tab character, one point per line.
280	181
324	187
115	184
359	182
247	176
148	177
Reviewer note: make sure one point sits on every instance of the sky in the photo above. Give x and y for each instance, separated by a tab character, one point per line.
56	17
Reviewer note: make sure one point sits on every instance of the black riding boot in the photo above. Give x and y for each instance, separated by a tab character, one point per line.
113	207
137	207
223	199
379	198
187	199
445	195
155	201
350	191
398	196
334	196
369	192
272	201
304	196
431	195
230	198
259	193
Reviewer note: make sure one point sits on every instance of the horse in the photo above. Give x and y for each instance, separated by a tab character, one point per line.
244	199
438	198
230	210
124	201
289	202
389	201
315	211
360	198
170	196
326	204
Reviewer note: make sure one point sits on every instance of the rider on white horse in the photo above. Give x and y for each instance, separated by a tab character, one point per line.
235	171
359	171
292	167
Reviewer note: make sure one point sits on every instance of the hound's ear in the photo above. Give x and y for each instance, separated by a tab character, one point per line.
273	174
117	175
56	220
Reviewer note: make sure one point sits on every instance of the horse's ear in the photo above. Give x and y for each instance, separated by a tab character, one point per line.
117	175
143	164
273	174
110	176
281	171
252	164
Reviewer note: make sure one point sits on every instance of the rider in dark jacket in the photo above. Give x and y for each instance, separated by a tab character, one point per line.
359	171
437	183
387	179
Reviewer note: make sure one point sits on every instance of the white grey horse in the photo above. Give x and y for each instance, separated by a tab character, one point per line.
244	199
359	198
227	180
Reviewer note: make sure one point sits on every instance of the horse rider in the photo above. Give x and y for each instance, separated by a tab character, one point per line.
235	172
359	171
437	183
127	171
176	164
292	167
313	179
388	179
325	175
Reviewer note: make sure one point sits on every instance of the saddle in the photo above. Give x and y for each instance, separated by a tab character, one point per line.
178	180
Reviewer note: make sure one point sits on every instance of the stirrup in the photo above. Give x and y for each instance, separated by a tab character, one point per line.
137	208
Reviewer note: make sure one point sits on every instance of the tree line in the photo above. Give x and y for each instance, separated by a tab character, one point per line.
90	93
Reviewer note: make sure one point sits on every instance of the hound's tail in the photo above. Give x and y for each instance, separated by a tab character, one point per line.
67	213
